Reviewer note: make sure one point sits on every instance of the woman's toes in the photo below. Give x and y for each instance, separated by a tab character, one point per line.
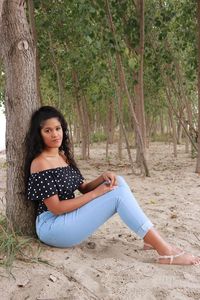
180	258
196	261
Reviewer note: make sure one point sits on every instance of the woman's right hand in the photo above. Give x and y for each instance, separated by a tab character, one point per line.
103	189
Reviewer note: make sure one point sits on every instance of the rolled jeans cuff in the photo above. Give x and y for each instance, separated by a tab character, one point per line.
142	231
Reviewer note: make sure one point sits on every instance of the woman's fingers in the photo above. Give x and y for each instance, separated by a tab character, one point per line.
110	178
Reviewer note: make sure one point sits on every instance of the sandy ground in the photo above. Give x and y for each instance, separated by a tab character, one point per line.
111	264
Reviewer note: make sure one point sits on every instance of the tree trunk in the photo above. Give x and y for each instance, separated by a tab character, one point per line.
121	71
110	124
140	89
121	123
71	135
111	121
179	129
187	143
198	139
171	106
119	91
18	53
80	109
57	71
119	97
162	126
86	124
173	126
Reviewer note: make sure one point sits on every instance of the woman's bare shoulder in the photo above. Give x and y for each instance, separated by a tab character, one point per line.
39	164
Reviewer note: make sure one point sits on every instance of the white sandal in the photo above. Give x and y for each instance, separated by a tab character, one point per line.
171	257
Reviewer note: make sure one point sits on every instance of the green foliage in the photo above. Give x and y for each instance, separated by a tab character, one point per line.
13	246
74	36
98	137
161	138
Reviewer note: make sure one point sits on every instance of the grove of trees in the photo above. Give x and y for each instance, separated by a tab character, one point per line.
121	71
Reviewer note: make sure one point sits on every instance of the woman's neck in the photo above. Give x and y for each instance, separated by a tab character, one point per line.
54	152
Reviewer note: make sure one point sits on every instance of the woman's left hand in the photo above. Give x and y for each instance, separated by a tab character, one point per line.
110	177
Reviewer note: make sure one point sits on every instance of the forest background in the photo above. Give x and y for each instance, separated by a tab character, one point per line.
125	74
120	71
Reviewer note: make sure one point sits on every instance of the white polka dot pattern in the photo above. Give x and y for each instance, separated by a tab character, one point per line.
62	181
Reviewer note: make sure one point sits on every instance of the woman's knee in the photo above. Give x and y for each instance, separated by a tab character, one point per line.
121	181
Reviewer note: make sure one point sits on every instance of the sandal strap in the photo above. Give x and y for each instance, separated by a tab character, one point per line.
171	257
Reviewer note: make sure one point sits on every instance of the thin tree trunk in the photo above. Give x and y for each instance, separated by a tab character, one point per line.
183	93
171	106
136	124
180	93
173	126
119	97
121	70
57	71
83	135
120	107
121	127
18	53
86	123
79	102
110	125
140	98
179	127
71	135
119	92
187	142
111	121
162	129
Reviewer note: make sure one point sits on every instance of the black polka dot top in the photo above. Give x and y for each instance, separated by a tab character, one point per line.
62	181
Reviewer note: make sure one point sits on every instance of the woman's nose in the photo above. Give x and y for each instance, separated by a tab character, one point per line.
54	133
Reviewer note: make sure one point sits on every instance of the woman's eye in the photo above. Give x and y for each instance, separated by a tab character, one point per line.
58	128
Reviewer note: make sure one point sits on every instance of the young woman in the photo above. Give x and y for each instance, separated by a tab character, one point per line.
64	220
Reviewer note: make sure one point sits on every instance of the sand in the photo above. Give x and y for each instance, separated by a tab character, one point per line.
111	264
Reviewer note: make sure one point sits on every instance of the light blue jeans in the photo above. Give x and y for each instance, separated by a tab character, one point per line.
72	228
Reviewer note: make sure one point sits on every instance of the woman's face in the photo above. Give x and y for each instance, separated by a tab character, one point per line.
52	133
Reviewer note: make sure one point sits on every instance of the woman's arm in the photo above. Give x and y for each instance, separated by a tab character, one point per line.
108	177
58	207
90	186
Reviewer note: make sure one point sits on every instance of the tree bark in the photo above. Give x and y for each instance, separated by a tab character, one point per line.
198	139
18	54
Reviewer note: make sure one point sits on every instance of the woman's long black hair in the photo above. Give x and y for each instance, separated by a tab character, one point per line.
34	143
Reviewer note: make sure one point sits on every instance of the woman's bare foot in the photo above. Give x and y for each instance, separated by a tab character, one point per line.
177	257
168	254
